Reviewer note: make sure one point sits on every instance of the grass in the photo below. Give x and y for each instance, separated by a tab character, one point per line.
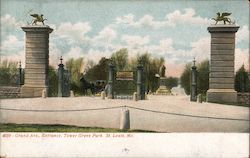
10	127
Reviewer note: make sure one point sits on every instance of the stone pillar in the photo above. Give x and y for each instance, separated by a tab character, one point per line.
60	79
36	60
221	77
20	74
125	119
193	95
103	95
111	81
139	81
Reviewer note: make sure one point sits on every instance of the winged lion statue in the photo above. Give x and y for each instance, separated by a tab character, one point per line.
223	17
37	18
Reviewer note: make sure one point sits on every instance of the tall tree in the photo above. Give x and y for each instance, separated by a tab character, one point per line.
120	58
151	67
99	71
171	82
242	82
53	82
185	78
75	67
203	77
9	73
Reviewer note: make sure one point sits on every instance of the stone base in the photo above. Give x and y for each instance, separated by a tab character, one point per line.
30	92
222	96
162	90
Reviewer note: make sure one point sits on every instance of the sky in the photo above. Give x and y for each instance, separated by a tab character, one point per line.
175	30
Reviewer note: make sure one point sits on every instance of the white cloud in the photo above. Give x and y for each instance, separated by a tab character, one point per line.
145	21
108	34
9	25
166	45
95	54
243	34
148	20
75	31
17	57
135	41
187	17
10	21
54	55
75	53
126	19
201	48
11	45
241	57
104	37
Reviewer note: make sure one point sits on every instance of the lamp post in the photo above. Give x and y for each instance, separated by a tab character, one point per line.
60	78
20	73
193	95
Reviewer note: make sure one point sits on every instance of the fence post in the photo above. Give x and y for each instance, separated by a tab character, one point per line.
103	95
124	120
60	78
193	95
111	81
135	98
200	99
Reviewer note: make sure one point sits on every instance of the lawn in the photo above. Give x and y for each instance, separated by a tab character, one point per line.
57	128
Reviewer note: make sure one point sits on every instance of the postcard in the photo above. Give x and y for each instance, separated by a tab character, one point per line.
124	78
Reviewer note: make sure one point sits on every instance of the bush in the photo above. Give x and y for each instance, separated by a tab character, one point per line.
242	82
202	77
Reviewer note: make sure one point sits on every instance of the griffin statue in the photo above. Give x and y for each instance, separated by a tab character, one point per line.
37	18
223	17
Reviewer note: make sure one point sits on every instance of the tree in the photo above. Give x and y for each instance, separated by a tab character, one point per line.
53	82
203	77
242	82
9	73
120	59
185	78
151	67
75	67
171	82
99	71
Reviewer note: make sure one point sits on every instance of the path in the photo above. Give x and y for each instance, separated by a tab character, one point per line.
139	119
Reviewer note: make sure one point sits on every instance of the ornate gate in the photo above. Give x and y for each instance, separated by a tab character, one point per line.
122	84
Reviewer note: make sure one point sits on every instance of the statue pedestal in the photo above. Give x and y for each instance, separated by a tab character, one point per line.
163	90
36	60
221	77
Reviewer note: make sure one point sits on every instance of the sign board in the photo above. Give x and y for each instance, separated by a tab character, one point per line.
124	75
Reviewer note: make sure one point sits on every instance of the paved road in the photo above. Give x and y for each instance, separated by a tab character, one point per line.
139	119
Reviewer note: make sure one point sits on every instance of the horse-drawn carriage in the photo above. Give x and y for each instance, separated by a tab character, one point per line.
94	87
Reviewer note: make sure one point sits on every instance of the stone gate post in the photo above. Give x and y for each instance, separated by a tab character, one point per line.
111	81
36	60
193	95
139	81
221	77
60	79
